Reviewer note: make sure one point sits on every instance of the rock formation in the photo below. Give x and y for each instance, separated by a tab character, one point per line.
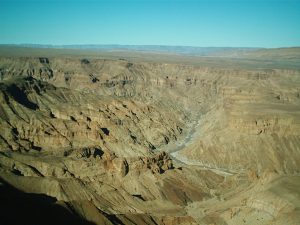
128	142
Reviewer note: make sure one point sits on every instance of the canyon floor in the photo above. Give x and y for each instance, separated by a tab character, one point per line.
145	138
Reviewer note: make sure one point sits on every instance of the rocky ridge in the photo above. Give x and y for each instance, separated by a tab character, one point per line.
95	134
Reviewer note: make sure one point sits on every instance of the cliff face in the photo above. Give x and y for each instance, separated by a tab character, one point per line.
49	118
92	133
254	124
249	119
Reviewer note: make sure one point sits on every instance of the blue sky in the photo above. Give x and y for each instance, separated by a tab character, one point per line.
204	23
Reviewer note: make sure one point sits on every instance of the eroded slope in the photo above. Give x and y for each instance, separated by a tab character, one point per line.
91	134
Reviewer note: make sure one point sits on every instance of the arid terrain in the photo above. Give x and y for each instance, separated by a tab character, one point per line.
149	138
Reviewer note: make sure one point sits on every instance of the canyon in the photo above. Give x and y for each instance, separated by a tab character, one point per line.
131	138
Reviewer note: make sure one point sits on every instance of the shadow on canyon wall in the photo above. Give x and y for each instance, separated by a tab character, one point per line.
17	207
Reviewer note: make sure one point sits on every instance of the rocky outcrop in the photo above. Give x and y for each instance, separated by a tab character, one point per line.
158	164
105	185
39	116
93	136
251	127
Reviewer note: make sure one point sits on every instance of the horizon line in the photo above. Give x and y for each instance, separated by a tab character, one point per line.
137	45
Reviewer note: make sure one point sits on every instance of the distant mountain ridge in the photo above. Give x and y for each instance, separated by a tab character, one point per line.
186	50
289	54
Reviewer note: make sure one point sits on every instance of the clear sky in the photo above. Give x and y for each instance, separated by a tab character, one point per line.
204	23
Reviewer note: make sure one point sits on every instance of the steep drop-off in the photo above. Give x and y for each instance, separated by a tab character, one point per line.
119	142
